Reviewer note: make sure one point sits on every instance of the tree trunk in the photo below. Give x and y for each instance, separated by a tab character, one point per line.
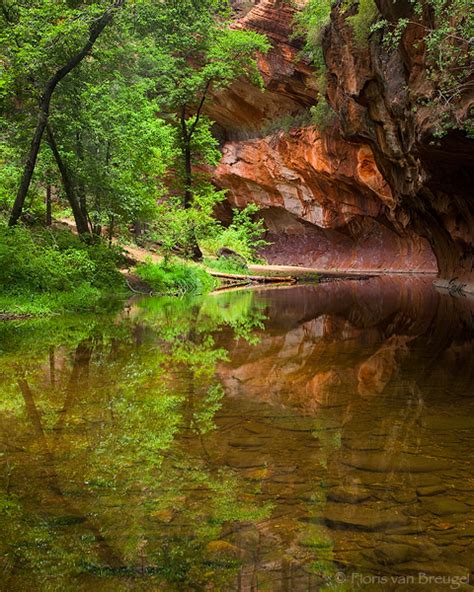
81	221
45	103
49	211
186	136
81	191
196	253
188	174
30	164
110	230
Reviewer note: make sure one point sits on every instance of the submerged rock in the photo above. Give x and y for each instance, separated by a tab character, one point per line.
386	462
444	506
394	553
350	495
430	490
365	518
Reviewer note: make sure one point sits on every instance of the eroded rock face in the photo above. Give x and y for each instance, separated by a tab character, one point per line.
244	110
371	193
324	200
380	97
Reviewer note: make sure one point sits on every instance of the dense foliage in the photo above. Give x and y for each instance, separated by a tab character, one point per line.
130	110
102	114
55	269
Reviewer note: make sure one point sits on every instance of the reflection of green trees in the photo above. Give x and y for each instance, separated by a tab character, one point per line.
105	471
315	536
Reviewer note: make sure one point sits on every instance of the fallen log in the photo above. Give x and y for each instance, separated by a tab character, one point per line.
264	279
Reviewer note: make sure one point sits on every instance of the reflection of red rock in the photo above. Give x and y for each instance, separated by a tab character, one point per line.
325	344
318	389
376	372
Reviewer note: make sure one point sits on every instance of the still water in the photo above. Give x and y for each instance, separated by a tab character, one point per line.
288	439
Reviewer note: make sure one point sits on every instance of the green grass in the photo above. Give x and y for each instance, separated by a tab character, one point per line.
226	265
176	278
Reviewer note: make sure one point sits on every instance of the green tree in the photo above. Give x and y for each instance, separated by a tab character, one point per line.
116	149
43	45
200	55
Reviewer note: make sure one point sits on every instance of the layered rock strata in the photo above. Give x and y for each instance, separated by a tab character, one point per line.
372	192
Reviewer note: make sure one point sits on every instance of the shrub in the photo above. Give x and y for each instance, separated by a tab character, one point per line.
449	59
45	270
287	122
367	13
46	261
322	114
175	278
244	235
311	22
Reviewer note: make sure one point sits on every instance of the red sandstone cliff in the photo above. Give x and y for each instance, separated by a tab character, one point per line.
372	192
383	98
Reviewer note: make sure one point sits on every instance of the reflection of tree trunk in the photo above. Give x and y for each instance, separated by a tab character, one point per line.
32	411
190	379
105	552
52	367
80	370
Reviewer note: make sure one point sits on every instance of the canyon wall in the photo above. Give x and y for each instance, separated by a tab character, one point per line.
374	190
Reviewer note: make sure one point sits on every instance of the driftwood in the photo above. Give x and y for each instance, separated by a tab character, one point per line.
264	279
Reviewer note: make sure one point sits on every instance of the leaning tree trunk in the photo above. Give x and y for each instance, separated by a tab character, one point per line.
30	164
82	224
45	104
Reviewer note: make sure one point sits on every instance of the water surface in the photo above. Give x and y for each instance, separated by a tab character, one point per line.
306	438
